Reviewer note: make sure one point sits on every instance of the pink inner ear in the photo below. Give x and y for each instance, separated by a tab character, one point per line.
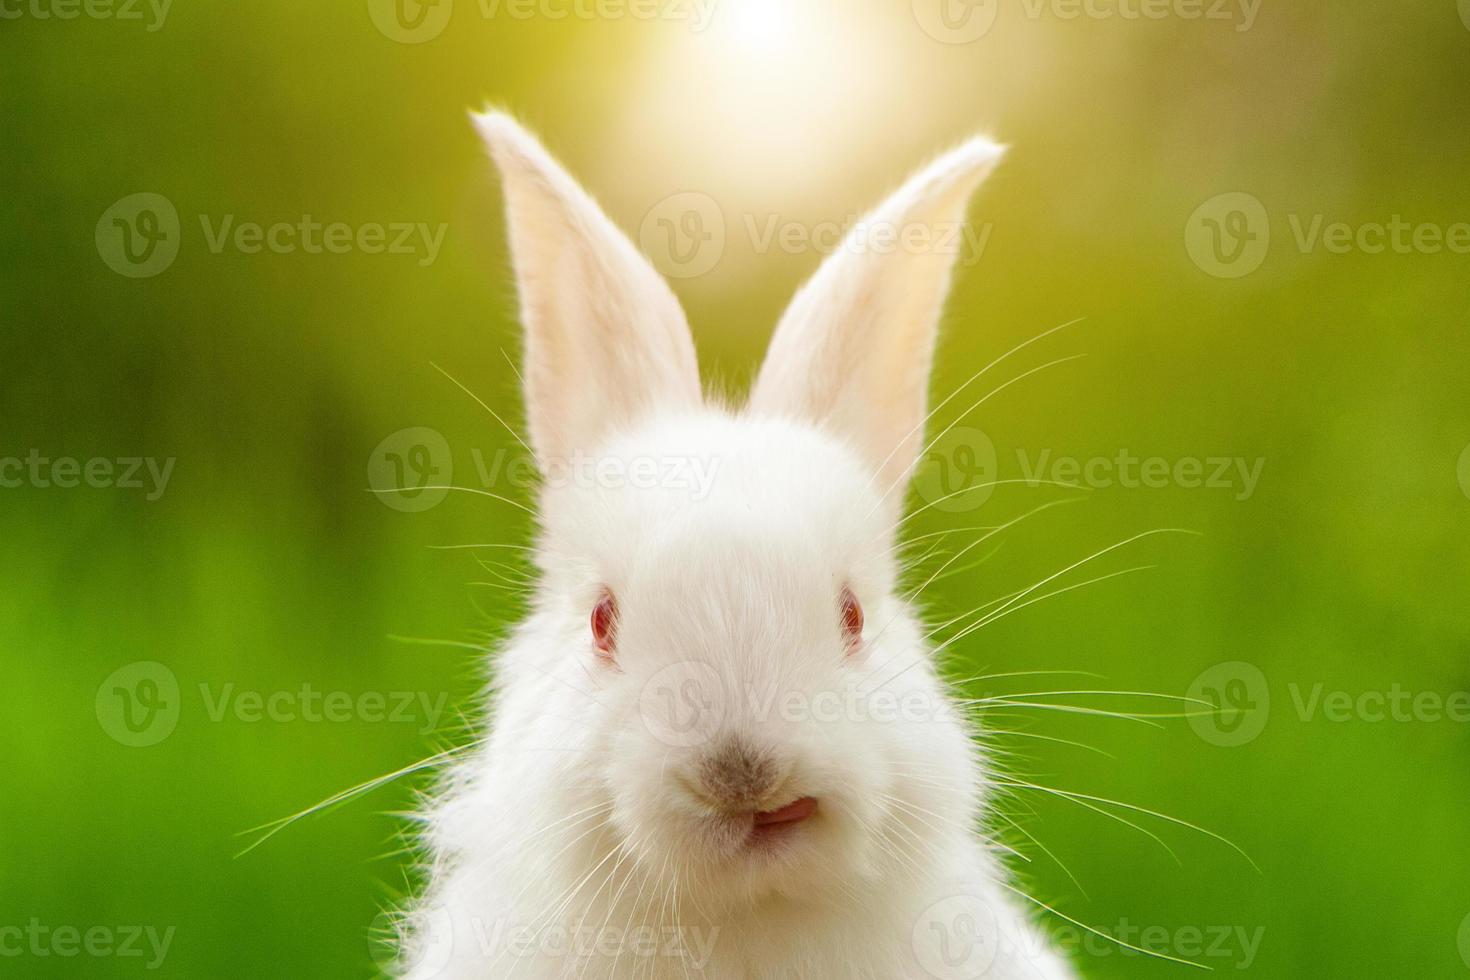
605	625
852	618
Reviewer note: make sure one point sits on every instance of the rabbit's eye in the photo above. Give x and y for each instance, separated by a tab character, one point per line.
852	619
605	626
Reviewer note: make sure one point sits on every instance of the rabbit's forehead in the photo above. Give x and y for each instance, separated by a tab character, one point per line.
767	539
747	487
714	458
718	586
711	498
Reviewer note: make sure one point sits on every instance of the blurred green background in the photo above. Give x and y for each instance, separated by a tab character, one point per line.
280	382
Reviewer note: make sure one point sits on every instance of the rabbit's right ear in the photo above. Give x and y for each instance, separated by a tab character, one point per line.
606	341
853	351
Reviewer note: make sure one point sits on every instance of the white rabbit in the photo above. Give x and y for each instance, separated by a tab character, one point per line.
719	747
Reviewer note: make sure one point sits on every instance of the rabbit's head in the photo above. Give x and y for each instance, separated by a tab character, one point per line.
750	695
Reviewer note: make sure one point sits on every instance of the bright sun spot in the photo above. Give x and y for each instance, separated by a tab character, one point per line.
768	103
763	27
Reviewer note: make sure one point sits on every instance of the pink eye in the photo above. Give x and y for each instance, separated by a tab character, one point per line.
852	619
605	626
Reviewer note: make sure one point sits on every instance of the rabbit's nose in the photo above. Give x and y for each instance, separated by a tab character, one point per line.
737	775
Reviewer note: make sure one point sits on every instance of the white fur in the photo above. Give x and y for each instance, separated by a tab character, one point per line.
580	813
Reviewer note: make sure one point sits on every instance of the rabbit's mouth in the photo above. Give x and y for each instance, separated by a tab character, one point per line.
769	829
773	823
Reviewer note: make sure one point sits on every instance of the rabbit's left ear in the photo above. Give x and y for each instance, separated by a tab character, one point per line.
606	341
854	349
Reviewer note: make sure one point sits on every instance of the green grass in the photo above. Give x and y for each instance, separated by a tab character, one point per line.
267	565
